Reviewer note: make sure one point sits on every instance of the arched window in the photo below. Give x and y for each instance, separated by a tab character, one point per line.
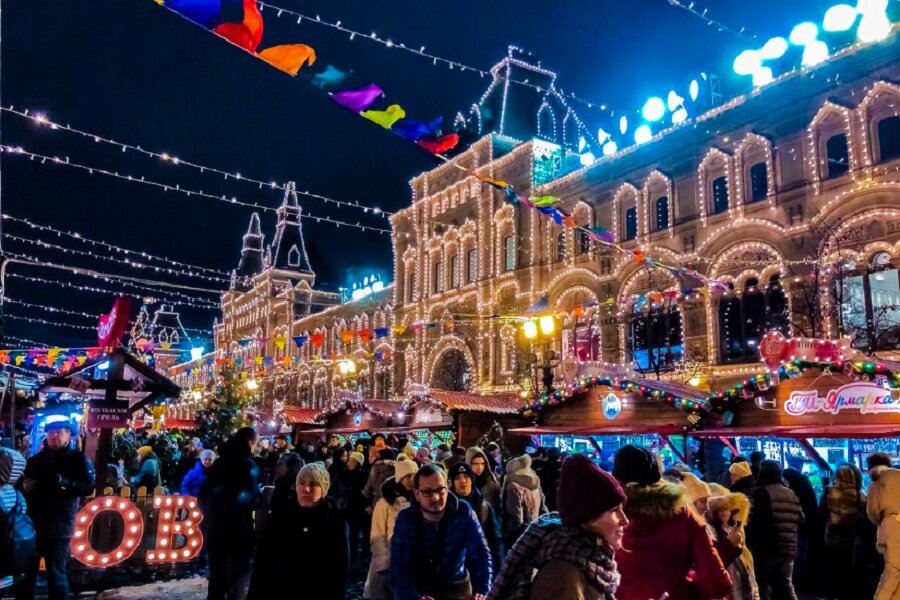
889	138
454	271
472	259
631	223
438	277
509	247
837	155
720	194
869	296
582	242
409	287
656	336
662	213
744	321
759	182
561	246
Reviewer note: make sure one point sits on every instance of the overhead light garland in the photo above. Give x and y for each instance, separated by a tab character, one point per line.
42	119
720	26
19	151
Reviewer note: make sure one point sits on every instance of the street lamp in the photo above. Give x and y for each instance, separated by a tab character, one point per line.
541	332
252	385
347	367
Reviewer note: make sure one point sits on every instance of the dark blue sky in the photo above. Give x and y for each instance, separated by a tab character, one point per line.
132	71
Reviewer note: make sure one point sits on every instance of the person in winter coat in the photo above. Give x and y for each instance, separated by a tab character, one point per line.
227	500
572	552
485	478
285	481
340	485
12	465
54	480
196	477
354	478
549	476
810	536
378	473
462	483
743	480
869	562
396	495
727	516
667	548
523	499
438	549
772	533
186	461
148	475
307	537
883	509
842	506
423	456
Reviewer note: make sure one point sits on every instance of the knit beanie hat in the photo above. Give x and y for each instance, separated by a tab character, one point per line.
460	468
387	454
741	469
315	472
207	454
402	468
694	488
636	465
358	457
144	451
585	491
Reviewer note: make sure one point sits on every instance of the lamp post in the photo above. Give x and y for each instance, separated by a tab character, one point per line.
347	367
541	333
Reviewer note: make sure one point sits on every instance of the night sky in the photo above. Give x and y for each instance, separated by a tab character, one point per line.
134	72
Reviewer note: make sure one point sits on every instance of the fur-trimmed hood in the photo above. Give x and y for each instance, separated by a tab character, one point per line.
737	503
660	501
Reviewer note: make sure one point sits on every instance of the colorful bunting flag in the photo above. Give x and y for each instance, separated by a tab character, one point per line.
415	130
317	339
386	118
203	12
358	100
331	76
290	58
544	200
300	340
601	234
346	336
364	335
380	332
400	329
280	341
442	144
246	34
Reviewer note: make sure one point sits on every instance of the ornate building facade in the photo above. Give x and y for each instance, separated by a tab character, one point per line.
788	196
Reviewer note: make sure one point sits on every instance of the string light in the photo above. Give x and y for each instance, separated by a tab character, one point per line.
81	238
130	263
711	22
45	322
19	151
41	119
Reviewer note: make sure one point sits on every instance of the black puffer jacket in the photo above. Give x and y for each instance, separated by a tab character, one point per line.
62	477
228	496
775	516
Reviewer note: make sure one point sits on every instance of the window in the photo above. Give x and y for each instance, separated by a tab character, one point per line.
454	271
837	156
720	194
293	257
409	287
889	138
759	182
438	277
509	248
582	242
561	246
581	342
744	320
631	223
656	342
870	305
472	258
662	213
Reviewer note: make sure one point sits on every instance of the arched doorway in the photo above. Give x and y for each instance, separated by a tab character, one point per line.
452	372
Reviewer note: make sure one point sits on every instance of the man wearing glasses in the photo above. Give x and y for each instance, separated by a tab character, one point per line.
438	551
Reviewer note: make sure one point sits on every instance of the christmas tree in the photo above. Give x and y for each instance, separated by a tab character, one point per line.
225	411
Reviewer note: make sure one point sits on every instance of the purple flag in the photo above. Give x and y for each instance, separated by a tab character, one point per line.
601	234
358	100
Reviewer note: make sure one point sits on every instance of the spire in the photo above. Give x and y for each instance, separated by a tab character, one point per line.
288	249
251	262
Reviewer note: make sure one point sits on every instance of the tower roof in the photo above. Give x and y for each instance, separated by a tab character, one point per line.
288	248
251	262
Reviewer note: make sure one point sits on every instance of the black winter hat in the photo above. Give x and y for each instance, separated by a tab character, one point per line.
634	464
387	454
458	468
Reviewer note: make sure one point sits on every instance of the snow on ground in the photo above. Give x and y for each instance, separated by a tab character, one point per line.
192	588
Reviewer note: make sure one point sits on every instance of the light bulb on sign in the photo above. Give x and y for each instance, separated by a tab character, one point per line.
804	34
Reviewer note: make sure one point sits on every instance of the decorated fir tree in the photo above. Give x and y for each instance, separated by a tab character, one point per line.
225	411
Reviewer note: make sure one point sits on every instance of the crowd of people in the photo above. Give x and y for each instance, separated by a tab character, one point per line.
460	524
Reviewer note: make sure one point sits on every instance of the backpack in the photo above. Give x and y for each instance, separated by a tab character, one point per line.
17	539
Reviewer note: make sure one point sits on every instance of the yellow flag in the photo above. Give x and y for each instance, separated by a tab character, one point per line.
385	118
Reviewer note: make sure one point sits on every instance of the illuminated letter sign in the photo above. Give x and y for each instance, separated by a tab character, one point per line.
134	529
867	398
171	529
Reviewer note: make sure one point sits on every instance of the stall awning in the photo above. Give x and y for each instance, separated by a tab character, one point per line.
345	430
857	430
630	430
467	401
300	416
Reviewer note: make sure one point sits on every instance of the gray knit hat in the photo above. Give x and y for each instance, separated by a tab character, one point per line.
316	472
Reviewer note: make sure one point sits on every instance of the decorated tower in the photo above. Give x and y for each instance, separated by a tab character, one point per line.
251	263
288	252
171	339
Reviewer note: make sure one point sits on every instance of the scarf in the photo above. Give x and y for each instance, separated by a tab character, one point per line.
547	539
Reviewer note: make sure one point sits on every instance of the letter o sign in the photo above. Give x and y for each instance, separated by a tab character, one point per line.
81	547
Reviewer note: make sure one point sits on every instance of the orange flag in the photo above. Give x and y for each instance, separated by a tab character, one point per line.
290	58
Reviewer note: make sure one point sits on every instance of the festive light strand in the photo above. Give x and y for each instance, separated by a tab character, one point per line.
127	262
712	22
199	303
19	151
41	119
53	323
26	341
93	242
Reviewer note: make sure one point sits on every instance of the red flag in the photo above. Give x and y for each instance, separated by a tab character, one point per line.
440	145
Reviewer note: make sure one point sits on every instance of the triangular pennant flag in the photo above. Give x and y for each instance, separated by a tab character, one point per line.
300	340
317	339
400	329
380	332
246	34
358	100
346	336
364	335
544	200
279	341
386	118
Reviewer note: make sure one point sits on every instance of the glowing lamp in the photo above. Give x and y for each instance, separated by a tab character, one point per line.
602	136
747	62
694	90
814	53
623	124
873	28
196	352
654	109
804	34
762	76
378	286
673	100
610	148
839	17
694	381
530	329
252	385
548	325
643	134
586	159
774	48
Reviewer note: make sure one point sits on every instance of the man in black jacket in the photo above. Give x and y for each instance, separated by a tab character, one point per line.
772	529
54	479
